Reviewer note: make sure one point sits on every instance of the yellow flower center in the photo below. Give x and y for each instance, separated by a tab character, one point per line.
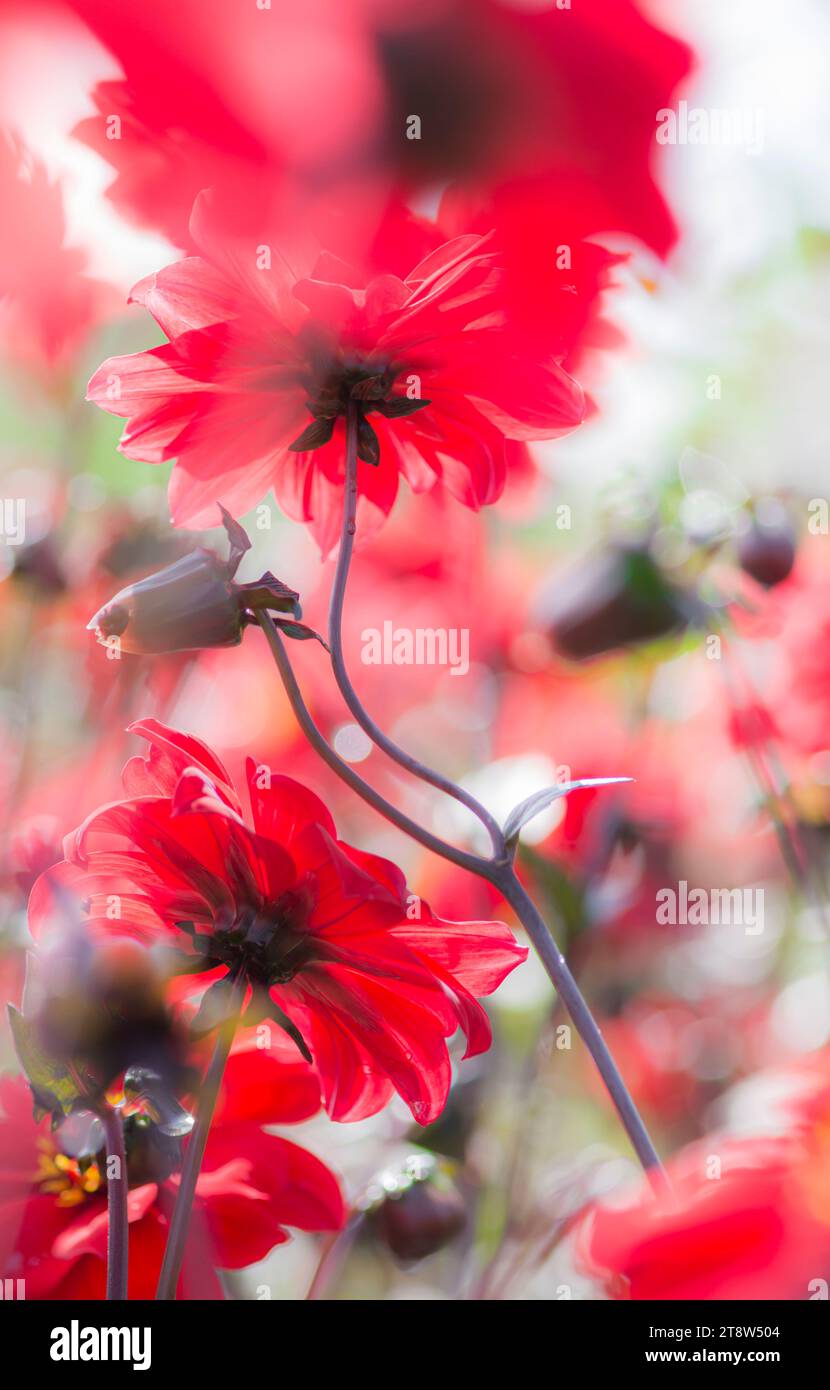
64	1177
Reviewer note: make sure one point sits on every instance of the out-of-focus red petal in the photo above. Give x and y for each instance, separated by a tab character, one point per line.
267	1084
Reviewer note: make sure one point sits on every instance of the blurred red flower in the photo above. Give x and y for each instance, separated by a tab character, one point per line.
558	105
269	342
788	701
53	1215
747	1219
541	102
47	302
241	98
325	936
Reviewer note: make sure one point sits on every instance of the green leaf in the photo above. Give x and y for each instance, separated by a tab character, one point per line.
55	1086
215	1008
368	444
263	1007
238	539
270	592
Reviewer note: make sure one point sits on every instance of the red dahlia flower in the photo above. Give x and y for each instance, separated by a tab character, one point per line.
519	98
324	936
755	1227
53	1206
245	97
269	343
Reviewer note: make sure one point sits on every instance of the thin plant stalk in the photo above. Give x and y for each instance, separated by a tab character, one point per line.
364	719
195	1152
333	1259
807	882
117	1213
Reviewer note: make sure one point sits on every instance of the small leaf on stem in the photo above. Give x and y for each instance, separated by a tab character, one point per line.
526	810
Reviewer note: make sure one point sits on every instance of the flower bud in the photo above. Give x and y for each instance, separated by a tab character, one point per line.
767	548
417	1210
191	604
91	1010
617	597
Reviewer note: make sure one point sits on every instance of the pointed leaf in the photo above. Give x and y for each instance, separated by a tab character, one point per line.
275	1012
539	801
301	632
215	1008
399	406
270	592
173	961
238	539
314	436
371	388
368	444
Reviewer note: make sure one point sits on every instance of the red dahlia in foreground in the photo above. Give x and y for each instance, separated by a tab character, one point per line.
746	1219
53	1200
268	345
323	937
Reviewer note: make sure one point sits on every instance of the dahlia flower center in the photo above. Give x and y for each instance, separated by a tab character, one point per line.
361	382
68	1179
151	1157
365	385
267	946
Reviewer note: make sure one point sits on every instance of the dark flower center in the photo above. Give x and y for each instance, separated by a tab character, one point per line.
366	387
264	946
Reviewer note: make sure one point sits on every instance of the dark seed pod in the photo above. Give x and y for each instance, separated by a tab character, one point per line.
767	550
418	1210
615	598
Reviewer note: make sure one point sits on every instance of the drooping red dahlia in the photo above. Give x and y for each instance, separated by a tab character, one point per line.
324	938
269	343
53	1198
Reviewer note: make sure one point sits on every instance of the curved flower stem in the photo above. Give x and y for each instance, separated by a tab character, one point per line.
502	875
177	1237
504	878
341	675
117	1217
343	769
